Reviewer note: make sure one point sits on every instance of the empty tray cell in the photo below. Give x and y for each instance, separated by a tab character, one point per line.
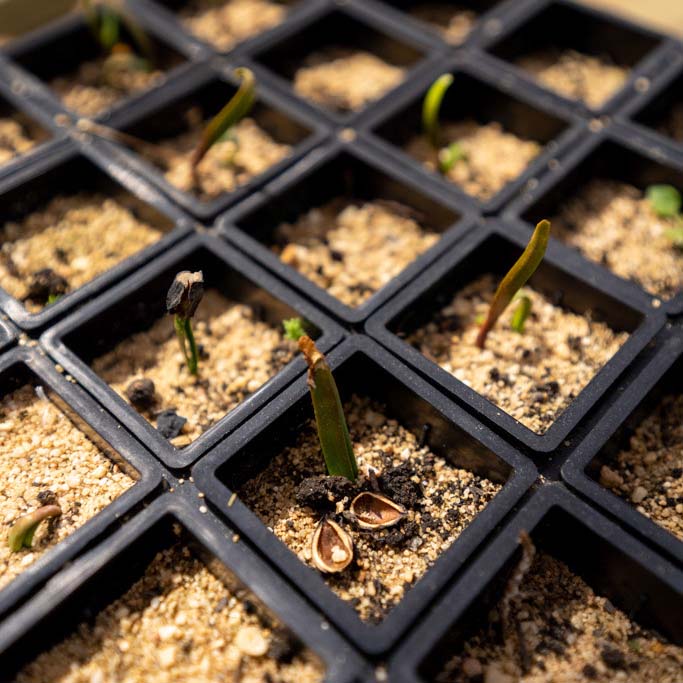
341	64
259	141
226	23
497	135
600	207
348	227
67	225
665	113
19	133
48	458
577	54
558	619
89	80
181	617
452	21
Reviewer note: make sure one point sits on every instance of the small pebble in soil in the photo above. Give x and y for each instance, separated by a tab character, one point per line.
140	393
170	424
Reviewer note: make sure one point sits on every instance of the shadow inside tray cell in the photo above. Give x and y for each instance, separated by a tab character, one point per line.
66	225
120	618
348	227
579	55
339	63
665	113
573	330
404	438
83	76
600	207
499	135
260	141
584	609
238	330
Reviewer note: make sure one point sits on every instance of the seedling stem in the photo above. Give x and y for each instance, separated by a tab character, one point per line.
23	530
182	301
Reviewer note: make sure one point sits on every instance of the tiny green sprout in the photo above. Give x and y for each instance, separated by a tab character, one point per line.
521	313
182	300
108	18
666	202
228	117
516	278
53	298
450	155
22	531
333	432
431	106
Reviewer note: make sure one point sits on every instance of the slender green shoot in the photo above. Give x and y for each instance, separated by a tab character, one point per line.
23	530
333	432
231	114
108	18
450	155
666	201
431	106
182	300
521	313
516	278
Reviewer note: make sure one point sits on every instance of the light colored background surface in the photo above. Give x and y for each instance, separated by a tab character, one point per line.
665	15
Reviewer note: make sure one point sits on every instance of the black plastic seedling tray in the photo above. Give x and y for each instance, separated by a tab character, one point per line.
278	55
24	365
485	95
209	86
68	170
634	579
493	247
341	171
541	24
363	368
615	154
139	301
7	334
657	378
104	573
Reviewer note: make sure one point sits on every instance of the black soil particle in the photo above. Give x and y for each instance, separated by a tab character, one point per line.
322	492
140	393
44	284
398	485
283	646
170	424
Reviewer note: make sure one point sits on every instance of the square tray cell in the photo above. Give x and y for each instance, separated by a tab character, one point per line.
596	576
596	201
273	136
384	396
587	333
507	136
212	574
345	228
56	234
629	463
107	464
579	55
68	60
342	62
126	334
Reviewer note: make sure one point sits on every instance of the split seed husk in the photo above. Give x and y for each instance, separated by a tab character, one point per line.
375	511
332	547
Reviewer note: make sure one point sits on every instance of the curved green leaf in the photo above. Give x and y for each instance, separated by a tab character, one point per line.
431	106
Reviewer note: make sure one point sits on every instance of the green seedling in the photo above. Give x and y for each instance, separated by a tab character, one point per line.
431	106
666	201
450	155
516	278
333	432
182	301
108	19
232	113
23	530
521	313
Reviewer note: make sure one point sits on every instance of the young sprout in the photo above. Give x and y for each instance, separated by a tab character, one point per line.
516	278
228	117
431	107
521	314
22	531
107	18
449	156
182	300
329	413
666	202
